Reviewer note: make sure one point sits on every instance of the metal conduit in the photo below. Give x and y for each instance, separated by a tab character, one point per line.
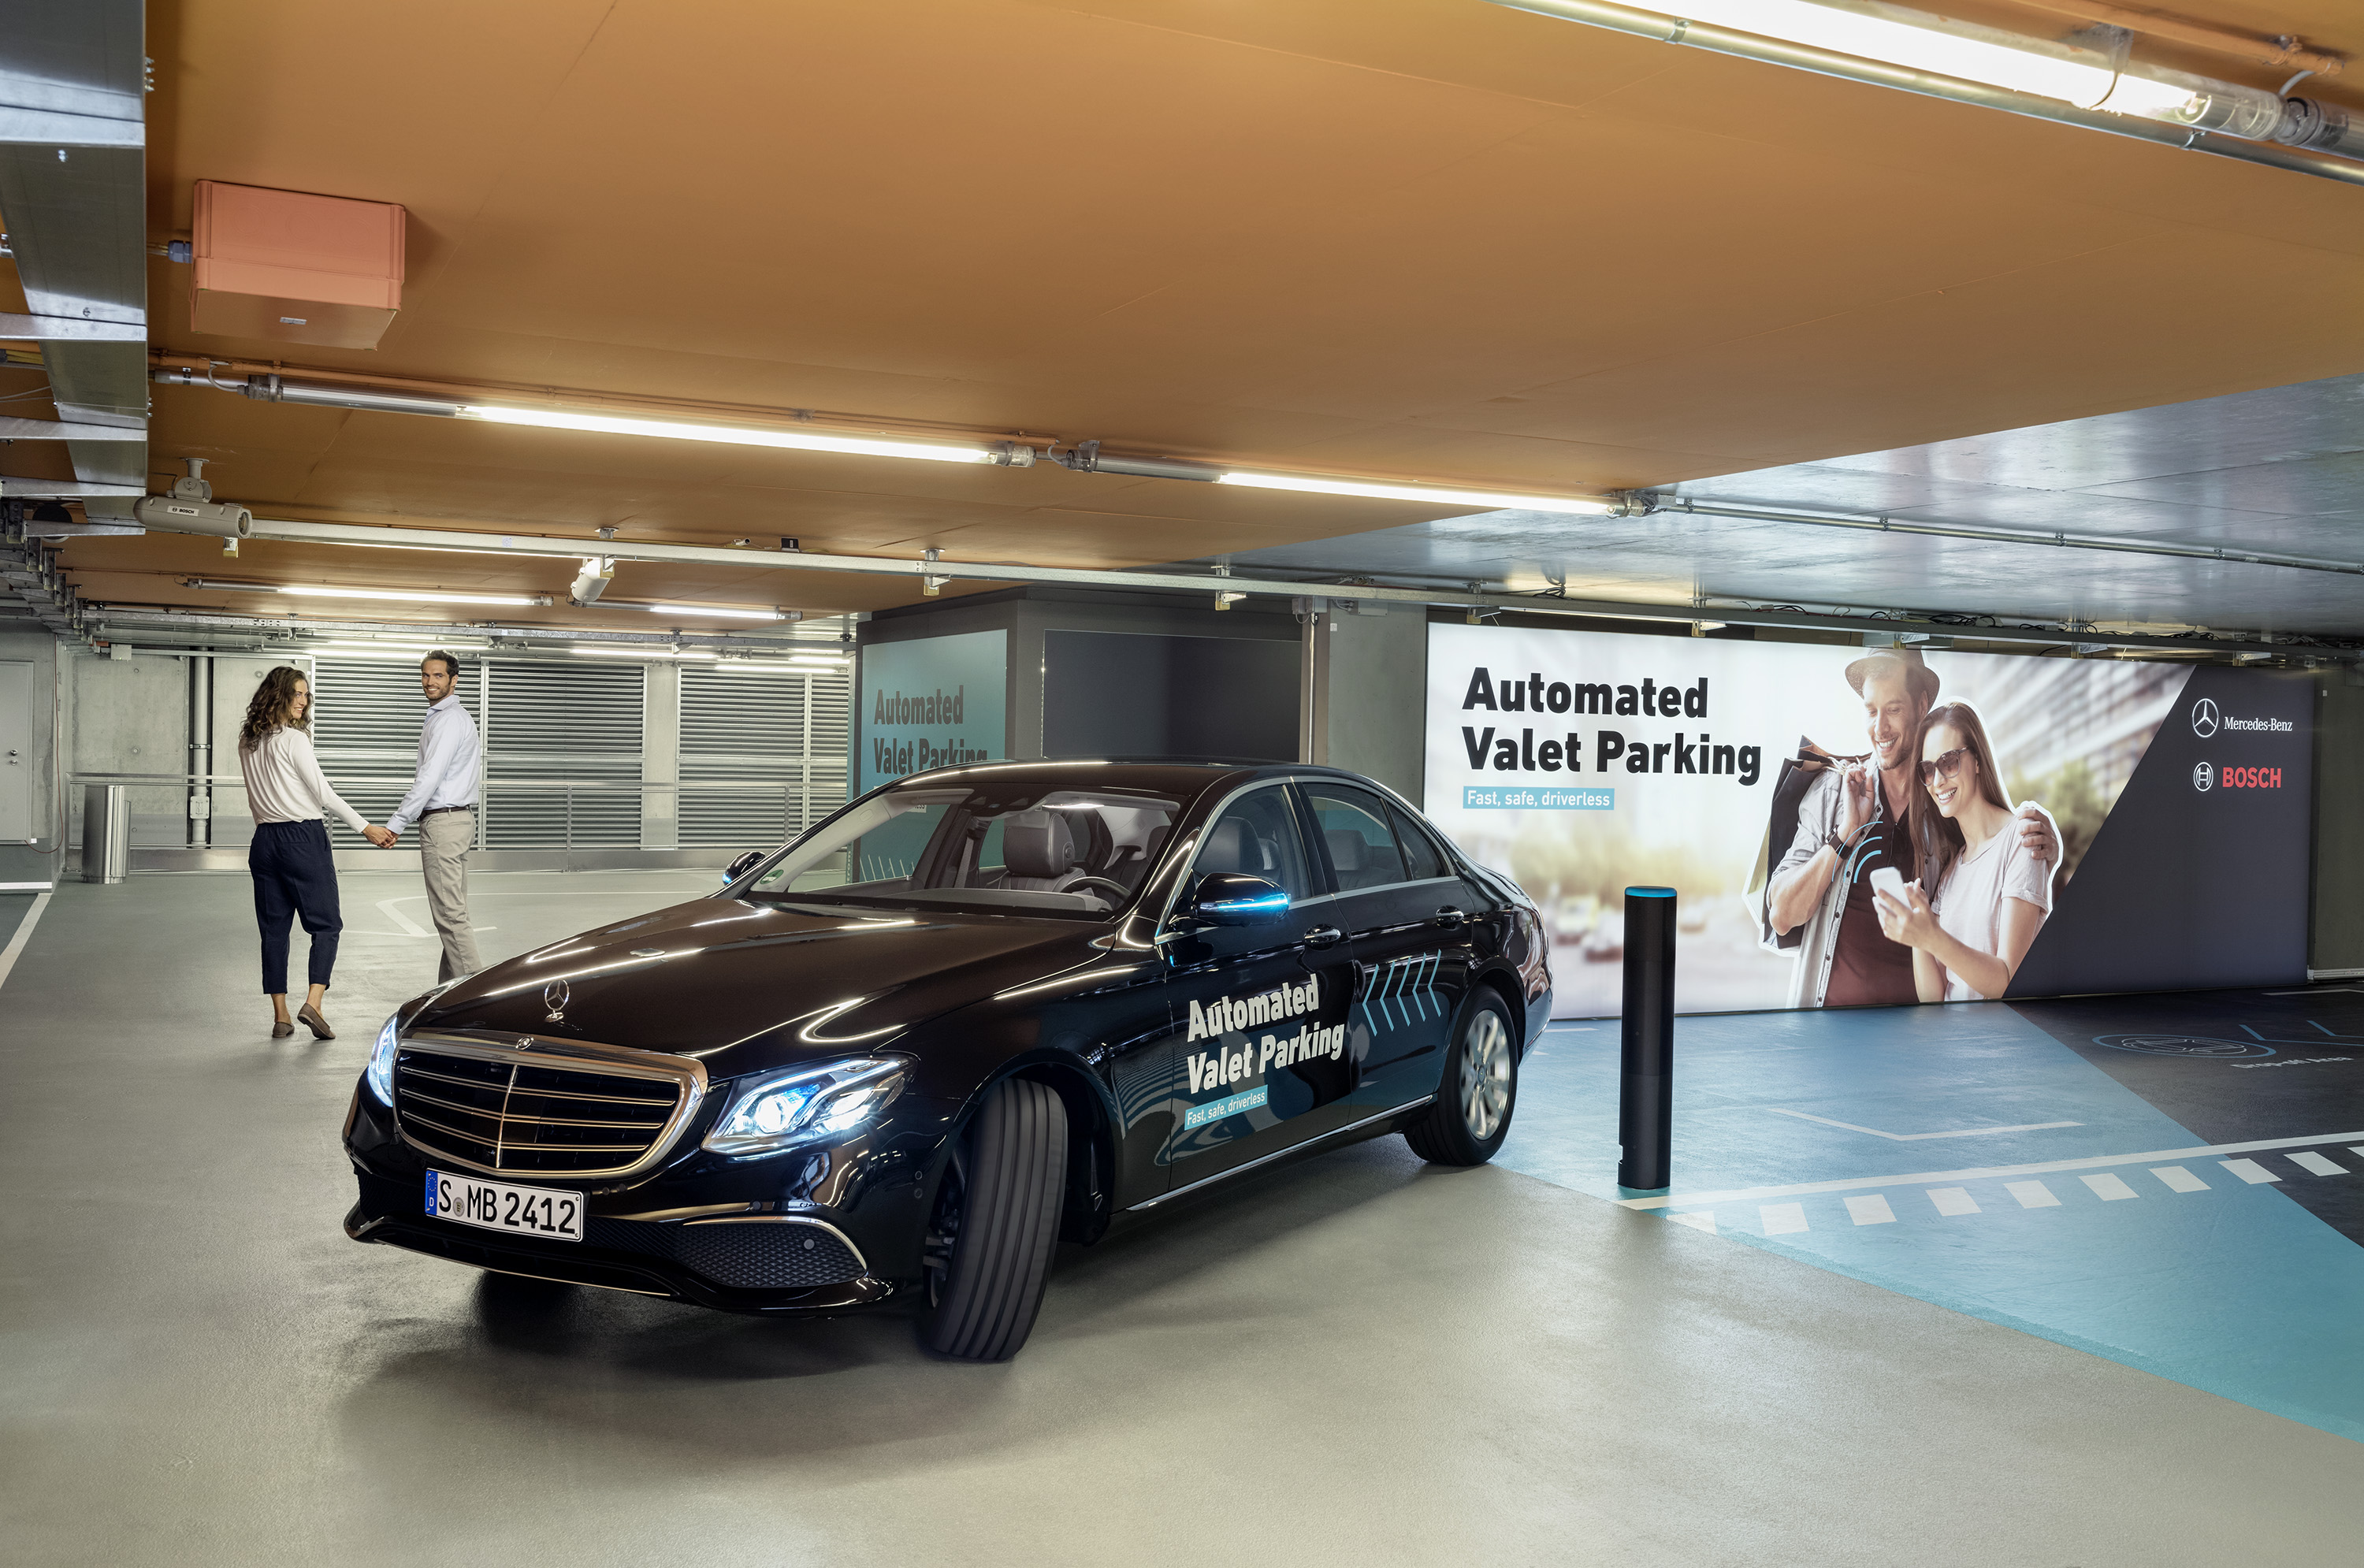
1672	29
1645	504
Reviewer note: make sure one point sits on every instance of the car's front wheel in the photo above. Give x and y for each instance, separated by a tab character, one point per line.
1473	1107
996	1225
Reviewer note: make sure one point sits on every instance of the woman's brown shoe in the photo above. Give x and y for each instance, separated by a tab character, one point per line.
311	1019
282	1028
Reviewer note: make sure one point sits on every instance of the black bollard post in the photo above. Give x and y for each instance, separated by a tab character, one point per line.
1645	1104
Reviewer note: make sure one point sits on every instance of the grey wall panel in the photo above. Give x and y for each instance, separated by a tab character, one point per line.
2337	937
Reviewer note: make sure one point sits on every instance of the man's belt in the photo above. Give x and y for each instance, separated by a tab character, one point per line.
440	810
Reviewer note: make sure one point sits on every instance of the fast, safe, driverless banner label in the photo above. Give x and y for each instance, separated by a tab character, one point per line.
2173	804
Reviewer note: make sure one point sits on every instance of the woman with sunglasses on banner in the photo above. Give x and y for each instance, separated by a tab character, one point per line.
1988	895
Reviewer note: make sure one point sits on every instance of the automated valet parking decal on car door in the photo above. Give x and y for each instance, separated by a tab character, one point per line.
1220	1066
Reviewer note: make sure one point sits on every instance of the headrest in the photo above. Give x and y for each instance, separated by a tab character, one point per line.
1349	850
1230	848
1037	843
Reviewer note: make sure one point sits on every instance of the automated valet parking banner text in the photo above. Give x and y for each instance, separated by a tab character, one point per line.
1581	762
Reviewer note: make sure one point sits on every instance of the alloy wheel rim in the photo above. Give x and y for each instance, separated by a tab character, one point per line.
1485	1074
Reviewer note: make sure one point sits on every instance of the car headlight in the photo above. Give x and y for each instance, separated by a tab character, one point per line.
379	1074
773	1111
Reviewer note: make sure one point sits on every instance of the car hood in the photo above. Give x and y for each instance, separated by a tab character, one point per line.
745	985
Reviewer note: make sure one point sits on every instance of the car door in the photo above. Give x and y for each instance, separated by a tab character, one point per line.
1260	1053
1406	923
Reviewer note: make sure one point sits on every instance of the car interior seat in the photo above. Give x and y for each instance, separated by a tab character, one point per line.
1039	851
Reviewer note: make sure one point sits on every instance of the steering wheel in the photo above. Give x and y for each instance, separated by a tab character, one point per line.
1120	889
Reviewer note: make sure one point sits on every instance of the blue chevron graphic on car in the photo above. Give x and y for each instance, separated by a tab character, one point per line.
1401	991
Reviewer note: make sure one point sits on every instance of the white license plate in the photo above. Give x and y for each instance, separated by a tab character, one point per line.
503	1206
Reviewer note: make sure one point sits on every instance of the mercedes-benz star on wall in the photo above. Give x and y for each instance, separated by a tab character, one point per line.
972	1013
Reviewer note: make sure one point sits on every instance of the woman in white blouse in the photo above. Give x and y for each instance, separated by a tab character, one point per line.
1989	895
294	870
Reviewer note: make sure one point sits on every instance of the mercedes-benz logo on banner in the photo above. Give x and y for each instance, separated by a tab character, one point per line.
2202	777
2203	720
554	996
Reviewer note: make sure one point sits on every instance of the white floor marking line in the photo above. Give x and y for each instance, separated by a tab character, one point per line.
2359	1153
2107	1187
2318	1164
1782	1219
2249	1171
1697	1221
26	887
2180	1180
1915	1137
2032	1195
411	927
2041	1168
1954	1200
1872	1210
24	934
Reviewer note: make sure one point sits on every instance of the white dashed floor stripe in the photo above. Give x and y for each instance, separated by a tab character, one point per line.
2032	1195
2309	1160
1953	1200
2249	1171
2180	1180
1872	1210
1922	1178
1782	1219
2107	1187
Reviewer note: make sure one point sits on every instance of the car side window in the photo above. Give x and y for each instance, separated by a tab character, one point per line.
1257	834
1422	858
1362	848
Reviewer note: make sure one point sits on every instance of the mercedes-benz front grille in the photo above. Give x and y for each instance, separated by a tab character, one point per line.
523	1112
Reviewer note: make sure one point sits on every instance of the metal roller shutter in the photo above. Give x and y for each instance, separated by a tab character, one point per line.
552	725
779	739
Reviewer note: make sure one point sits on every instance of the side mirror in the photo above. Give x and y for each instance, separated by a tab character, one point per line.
741	866
1235	898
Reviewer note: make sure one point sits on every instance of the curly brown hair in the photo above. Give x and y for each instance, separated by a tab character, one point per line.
274	707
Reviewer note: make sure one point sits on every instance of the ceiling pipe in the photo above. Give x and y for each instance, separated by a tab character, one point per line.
1669	28
1456	597
1644	503
2284	52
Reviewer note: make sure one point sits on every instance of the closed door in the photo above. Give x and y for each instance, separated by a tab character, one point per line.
1259	1012
16	753
1406	922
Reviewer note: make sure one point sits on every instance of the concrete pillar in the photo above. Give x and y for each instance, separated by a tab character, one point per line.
661	756
1367	678
2335	940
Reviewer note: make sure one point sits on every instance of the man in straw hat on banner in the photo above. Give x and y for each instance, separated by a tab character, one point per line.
1851	823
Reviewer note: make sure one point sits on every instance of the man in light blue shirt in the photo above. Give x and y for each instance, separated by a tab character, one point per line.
442	802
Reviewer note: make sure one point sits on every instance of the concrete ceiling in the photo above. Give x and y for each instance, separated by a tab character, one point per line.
1433	240
2279	471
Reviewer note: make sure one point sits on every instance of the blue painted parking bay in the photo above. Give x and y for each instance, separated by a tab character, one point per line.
2176	1183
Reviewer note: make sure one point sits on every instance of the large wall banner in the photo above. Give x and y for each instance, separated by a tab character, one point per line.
1849	826
931	701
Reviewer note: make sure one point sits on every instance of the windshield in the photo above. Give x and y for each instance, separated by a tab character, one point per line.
1080	853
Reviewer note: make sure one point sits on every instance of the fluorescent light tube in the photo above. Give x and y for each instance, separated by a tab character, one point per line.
729	434
1919	40
1494	500
408	595
731	611
643	652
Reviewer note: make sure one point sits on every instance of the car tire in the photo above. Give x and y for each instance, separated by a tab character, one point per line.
1006	1191
1480	1089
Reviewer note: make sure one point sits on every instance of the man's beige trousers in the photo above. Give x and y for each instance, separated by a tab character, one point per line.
444	840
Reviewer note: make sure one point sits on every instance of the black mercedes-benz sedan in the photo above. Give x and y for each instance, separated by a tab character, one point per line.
974	1013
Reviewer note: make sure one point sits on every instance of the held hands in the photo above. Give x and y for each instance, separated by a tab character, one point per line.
1912	923
379	836
2036	832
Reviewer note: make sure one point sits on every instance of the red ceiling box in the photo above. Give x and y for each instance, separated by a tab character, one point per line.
295	268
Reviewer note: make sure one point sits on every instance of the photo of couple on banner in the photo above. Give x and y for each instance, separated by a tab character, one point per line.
1903	873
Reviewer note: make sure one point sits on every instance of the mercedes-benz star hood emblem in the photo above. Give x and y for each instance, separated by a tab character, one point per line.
554	996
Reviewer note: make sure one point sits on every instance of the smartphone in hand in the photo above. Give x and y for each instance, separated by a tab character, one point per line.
1889	880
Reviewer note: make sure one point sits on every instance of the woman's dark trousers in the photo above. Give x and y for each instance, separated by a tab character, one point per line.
295	874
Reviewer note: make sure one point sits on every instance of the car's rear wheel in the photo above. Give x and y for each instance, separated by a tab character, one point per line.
996	1225
1473	1107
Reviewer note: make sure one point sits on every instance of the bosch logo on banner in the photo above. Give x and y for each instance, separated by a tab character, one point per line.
2249	778
2203	777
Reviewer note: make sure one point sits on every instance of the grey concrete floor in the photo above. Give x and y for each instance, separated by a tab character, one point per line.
1363	1360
